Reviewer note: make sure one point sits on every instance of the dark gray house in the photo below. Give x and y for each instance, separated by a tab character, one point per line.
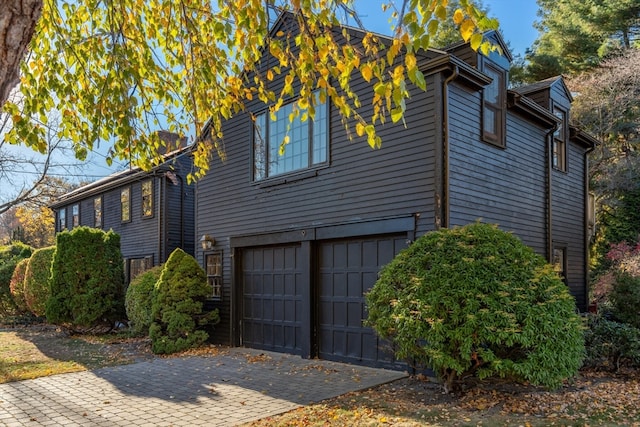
152	211
292	242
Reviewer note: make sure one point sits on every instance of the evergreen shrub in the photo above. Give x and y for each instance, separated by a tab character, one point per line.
178	317
625	298
139	299
16	285
609	343
10	255
37	280
87	282
475	300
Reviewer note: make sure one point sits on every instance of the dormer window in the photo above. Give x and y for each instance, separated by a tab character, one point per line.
560	141
493	106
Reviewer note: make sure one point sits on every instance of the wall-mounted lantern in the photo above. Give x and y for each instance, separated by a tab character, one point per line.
207	242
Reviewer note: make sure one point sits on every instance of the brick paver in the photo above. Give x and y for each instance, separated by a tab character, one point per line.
235	387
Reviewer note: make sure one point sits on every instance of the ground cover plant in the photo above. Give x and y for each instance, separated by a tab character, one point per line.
475	301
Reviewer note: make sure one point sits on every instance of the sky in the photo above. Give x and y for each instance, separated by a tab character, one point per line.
516	22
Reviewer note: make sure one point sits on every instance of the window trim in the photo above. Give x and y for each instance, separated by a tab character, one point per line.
265	116
500	122
214	277
559	144
151	198
98	224
122	205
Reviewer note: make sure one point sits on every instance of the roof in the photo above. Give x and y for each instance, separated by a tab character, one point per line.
117	179
543	85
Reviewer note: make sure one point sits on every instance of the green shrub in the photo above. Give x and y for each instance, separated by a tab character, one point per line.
139	299
16	285
87	279
9	257
610	344
625	298
476	300
37	280
177	313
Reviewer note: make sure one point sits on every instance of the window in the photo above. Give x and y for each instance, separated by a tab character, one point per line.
560	261
97	212
75	215
214	273
493	111
62	219
560	141
139	265
147	199
308	141
125	204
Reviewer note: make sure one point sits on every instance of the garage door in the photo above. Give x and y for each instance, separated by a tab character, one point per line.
272	289
349	268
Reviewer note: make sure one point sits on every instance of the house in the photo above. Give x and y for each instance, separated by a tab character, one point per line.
292	242
153	212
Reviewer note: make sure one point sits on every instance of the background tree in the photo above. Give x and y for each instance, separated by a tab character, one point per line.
577	34
117	71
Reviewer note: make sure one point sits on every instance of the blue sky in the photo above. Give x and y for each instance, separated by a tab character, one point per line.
516	21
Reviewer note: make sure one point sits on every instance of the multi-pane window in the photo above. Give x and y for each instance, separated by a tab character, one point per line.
75	215
125	204
214	273
560	261
138	266
62	219
493	106
97	212
307	140
147	198
560	141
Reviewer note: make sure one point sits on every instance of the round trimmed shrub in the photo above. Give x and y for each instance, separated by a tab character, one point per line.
87	281
177	312
139	299
625	298
474	300
16	285
37	280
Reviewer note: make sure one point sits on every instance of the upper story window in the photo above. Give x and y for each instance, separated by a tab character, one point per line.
75	215
97	212
62	219
125	204
560	140
493	106
147	198
308	141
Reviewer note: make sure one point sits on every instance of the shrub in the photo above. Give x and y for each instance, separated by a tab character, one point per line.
610	344
625	298
87	279
476	300
36	280
139	299
9	257
177	312
16	285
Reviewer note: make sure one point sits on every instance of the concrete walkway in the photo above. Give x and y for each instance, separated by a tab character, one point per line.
235	387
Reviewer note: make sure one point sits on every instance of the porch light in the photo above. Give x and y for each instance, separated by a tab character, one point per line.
207	242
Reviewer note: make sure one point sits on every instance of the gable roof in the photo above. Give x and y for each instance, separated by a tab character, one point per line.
545	85
496	38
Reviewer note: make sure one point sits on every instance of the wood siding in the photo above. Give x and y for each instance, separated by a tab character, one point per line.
495	185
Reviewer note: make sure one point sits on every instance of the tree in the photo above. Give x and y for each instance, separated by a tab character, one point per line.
577	34
117	71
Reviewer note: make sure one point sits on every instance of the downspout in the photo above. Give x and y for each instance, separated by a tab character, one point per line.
587	237
445	208
549	193
160	217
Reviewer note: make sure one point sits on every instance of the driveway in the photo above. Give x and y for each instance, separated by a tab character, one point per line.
237	386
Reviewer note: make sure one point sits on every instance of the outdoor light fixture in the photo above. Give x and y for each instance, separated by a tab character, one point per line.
207	242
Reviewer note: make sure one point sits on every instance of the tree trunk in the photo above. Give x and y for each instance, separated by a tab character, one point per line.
18	20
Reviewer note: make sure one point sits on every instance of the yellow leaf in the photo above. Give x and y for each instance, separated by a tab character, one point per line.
476	39
367	72
269	75
280	33
466	29
458	16
359	129
410	61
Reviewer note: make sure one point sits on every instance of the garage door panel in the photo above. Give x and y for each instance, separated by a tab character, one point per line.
272	316
344	280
